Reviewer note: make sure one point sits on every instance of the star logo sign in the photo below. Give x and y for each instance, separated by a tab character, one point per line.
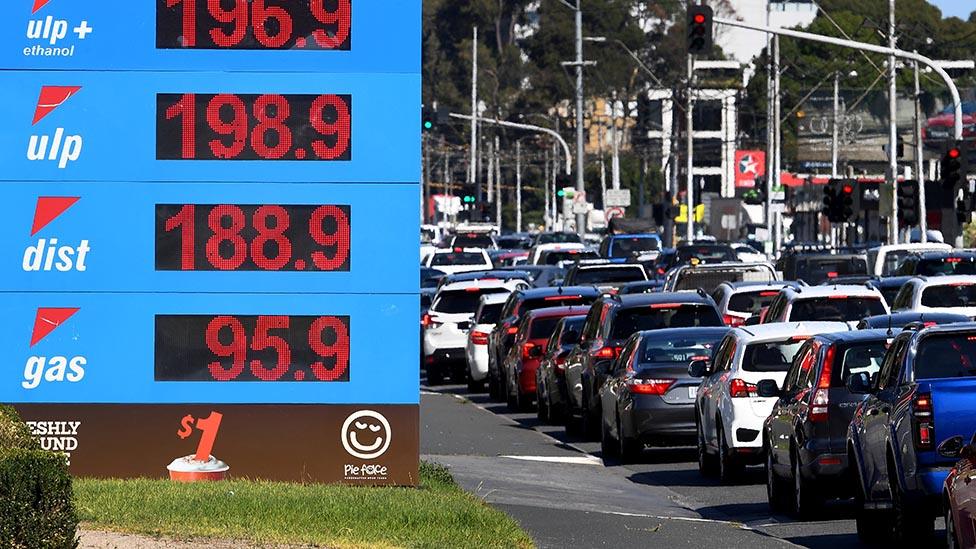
748	165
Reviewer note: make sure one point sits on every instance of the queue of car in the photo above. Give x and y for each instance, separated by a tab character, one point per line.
846	374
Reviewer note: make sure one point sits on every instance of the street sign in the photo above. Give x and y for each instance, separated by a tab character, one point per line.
210	224
614	212
617	197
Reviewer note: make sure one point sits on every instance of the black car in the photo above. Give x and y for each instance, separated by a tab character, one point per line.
815	268
515	241
610	322
605	276
642	287
503	335
896	321
805	436
938	263
649	397
551	392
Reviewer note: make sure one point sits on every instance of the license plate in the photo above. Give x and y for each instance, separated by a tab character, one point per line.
692	392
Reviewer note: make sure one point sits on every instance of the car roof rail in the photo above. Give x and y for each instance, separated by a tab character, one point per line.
701	291
914	326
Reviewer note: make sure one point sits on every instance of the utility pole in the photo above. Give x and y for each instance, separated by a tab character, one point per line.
518	186
770	150
892	176
689	161
449	201
426	175
774	178
615	164
919	161
473	172
835	127
580	184
603	165
545	193
498	184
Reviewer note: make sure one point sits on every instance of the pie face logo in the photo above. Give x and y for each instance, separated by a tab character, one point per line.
366	434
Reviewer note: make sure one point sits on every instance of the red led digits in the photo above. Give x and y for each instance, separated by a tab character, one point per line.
263	340
337	126
236	126
341	18
185	110
221	234
271	112
236	16
338	238
184	221
266	234
266	17
236	349
338	350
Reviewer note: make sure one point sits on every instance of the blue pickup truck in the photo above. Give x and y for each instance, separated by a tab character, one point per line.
923	396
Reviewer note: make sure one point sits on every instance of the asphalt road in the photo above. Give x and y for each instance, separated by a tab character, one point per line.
562	493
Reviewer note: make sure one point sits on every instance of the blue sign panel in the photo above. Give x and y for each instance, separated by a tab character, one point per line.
288	36
244	127
217	237
199	348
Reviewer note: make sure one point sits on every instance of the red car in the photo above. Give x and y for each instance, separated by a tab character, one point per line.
526	353
938	129
960	494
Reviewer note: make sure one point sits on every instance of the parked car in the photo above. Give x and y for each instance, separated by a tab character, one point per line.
805	435
649	396
922	396
551	392
937	130
960	494
729	413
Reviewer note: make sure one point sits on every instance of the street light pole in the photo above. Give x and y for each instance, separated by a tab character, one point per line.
689	161
835	127
580	185
919	162
892	128
473	172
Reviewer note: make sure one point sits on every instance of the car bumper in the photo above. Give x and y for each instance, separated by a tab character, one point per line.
439	340
828	470
445	356
746	422
526	378
929	482
652	418
477	357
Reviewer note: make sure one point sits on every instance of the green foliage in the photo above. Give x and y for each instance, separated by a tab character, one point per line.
36	508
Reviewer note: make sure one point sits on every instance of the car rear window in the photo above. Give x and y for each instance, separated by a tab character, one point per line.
608	274
707	254
662	315
490	314
473	241
858	358
677	350
459	258
950	295
556	301
552	238
946	266
542	328
462	301
946	356
553	258
751	302
772	356
835	309
627	246
817	270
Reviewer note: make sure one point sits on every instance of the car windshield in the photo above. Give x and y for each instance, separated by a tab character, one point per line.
600	275
473	240
663	315
462	301
946	266
772	356
542	328
946	356
819	269
950	295
836	309
751	302
511	242
859	358
553	238
893	260
553	258
627	246
680	350
706	254
489	313
458	258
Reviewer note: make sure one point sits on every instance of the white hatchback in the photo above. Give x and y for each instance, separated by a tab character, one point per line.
476	351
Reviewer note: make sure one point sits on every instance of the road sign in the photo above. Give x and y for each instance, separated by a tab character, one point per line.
209	225
617	197
614	212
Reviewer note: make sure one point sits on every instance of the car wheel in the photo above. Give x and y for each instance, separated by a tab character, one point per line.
629	448
475	386
434	374
952	539
776	490
805	500
908	523
591	420
872	526
706	462
608	446
522	401
493	391
541	410
728	468
510	396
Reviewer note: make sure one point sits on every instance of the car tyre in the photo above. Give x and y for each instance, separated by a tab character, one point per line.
435	376
608	446
591	421
541	408
475	386
952	538
729	469
806	501
872	526
706	462
630	449
909	523
777	491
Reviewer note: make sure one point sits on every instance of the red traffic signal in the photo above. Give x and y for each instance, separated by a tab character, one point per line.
848	189
700	30
699	18
953	153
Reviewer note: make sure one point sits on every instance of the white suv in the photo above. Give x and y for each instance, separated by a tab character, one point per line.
458	260
837	303
942	294
447	322
476	351
729	413
739	301
885	260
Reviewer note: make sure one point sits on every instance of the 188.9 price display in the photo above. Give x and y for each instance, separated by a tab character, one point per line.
252	348
257	237
230	126
253	24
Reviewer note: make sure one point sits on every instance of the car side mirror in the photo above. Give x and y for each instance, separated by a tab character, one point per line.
699	368
952	447
768	388
571	338
535	351
859	383
752	321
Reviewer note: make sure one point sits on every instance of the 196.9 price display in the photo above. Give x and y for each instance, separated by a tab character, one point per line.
262	237
253	24
229	126
252	348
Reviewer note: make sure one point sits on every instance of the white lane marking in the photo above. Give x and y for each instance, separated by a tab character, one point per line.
580	460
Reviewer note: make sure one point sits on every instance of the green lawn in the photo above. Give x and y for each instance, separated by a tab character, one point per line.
438	514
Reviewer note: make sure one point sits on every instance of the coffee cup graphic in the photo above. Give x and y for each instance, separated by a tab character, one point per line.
190	469
366	434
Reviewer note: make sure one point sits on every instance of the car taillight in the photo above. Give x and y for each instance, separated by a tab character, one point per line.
560	363
479	338
649	386
512	330
606	352
821	397
527	350
741	389
733	321
660	270
427	321
922	414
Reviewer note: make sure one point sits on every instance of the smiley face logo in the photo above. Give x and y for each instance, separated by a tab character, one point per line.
366	434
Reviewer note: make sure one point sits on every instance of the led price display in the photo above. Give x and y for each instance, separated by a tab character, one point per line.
252	348
226	237
253	24
253	127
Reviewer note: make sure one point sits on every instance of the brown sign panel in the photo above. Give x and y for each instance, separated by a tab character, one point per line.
353	444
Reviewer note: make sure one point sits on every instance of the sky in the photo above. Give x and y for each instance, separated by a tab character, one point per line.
959	8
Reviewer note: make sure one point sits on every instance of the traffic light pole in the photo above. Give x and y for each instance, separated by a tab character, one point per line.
529	127
690	150
919	166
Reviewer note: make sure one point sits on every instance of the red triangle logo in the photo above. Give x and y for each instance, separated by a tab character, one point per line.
51	98
48	319
49	208
38	4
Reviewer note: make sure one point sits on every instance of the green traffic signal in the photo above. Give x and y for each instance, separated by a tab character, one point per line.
428	124
560	193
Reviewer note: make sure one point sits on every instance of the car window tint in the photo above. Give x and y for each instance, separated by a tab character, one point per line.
629	321
835	309
680	350
459	258
856	359
751	302
461	301
586	277
625	247
888	375
950	295
946	356
773	356
946	266
489	314
542	328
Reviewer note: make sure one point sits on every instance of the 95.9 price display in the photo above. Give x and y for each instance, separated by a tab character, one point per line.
257	237
253	24
230	126
252	348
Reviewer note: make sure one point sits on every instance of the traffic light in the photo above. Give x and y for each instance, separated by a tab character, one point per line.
757	194
831	200
953	168
468	195
908	202
850	201
700	37
432	117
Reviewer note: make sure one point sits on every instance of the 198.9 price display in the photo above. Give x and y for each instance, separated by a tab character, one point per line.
263	237
252	348
230	126
253	24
